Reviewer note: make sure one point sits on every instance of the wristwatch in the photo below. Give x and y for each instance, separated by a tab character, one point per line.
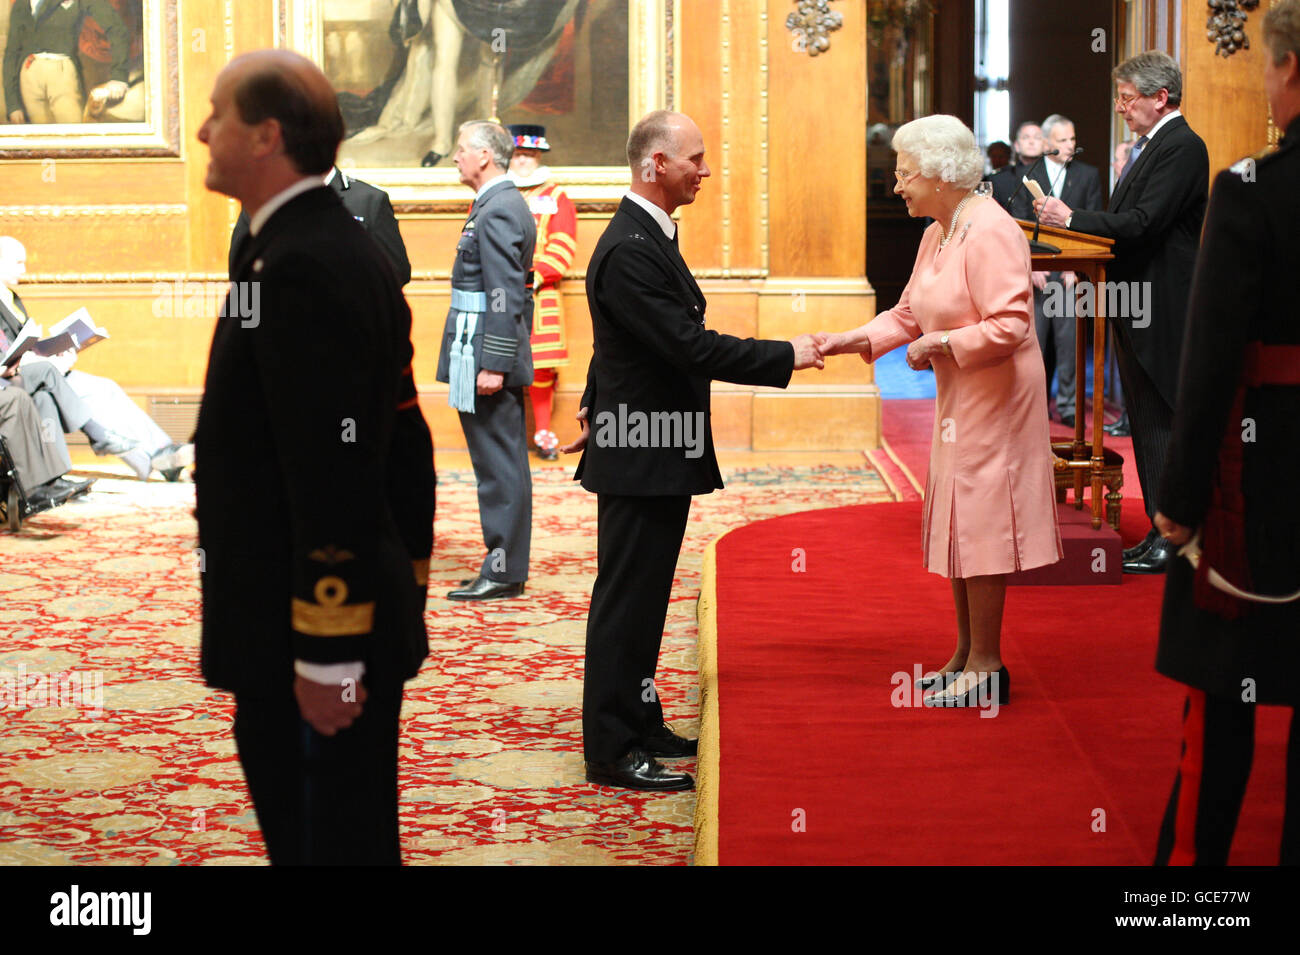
943	343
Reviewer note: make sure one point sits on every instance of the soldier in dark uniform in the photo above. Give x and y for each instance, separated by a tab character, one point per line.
1231	473
314	505
369	205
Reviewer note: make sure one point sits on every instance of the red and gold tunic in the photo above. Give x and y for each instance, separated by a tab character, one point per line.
557	225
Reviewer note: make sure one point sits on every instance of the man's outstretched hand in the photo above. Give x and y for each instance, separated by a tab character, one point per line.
807	353
581	441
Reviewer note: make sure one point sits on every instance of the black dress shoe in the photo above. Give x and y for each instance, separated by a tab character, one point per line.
57	491
484	589
75	488
1141	547
1154	561
668	745
638	770
1119	428
978	695
1067	420
42	496
431	158
934	681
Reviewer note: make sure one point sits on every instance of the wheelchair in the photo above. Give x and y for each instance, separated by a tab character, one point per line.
15	507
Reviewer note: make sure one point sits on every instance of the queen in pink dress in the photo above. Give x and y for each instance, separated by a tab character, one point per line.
967	312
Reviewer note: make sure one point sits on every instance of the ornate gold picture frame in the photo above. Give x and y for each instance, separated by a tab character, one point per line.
409	71
144	122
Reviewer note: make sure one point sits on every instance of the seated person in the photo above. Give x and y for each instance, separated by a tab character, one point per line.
95	405
39	459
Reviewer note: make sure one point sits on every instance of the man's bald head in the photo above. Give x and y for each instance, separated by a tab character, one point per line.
655	132
10	247
666	153
290	89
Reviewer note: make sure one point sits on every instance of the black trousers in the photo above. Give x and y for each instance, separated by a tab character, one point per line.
638	540
1218	749
322	800
1151	418
1056	340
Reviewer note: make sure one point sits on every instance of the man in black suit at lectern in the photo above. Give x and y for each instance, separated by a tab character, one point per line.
648	444
1155	219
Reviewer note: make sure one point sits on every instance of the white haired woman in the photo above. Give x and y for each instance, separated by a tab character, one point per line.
990	504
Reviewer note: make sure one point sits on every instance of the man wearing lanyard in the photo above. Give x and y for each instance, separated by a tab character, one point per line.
486	360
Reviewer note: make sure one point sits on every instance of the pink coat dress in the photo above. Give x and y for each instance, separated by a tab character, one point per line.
990	501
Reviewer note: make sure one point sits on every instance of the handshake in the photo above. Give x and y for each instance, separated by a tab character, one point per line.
810	350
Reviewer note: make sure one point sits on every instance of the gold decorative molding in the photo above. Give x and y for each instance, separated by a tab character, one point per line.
764	200
38	283
726	134
454	206
228	25
37	280
127	210
817	285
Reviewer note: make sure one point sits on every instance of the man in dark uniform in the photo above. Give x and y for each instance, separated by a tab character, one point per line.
1155	218
369	205
486	358
1233	459
654	359
315	527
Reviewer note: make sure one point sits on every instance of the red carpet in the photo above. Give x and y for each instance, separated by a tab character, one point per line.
819	766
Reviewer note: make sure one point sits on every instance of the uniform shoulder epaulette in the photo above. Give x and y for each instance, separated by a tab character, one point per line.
1242	165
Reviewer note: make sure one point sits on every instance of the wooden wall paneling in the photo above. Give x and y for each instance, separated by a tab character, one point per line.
117	236
1223	97
817	161
160	332
746	144
953	59
700	96
213	32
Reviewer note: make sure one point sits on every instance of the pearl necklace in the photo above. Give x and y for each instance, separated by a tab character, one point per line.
952	226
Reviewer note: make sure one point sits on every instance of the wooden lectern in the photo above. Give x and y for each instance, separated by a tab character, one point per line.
1086	254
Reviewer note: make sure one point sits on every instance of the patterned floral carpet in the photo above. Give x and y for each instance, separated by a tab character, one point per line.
113	752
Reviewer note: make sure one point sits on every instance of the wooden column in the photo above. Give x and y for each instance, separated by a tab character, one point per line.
1223	97
778	234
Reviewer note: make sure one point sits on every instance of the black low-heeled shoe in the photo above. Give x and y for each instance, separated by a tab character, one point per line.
931	682
977	695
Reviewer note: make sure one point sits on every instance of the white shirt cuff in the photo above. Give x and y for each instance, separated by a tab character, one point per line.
330	674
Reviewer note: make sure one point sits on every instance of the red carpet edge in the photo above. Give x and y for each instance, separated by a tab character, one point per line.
707	767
